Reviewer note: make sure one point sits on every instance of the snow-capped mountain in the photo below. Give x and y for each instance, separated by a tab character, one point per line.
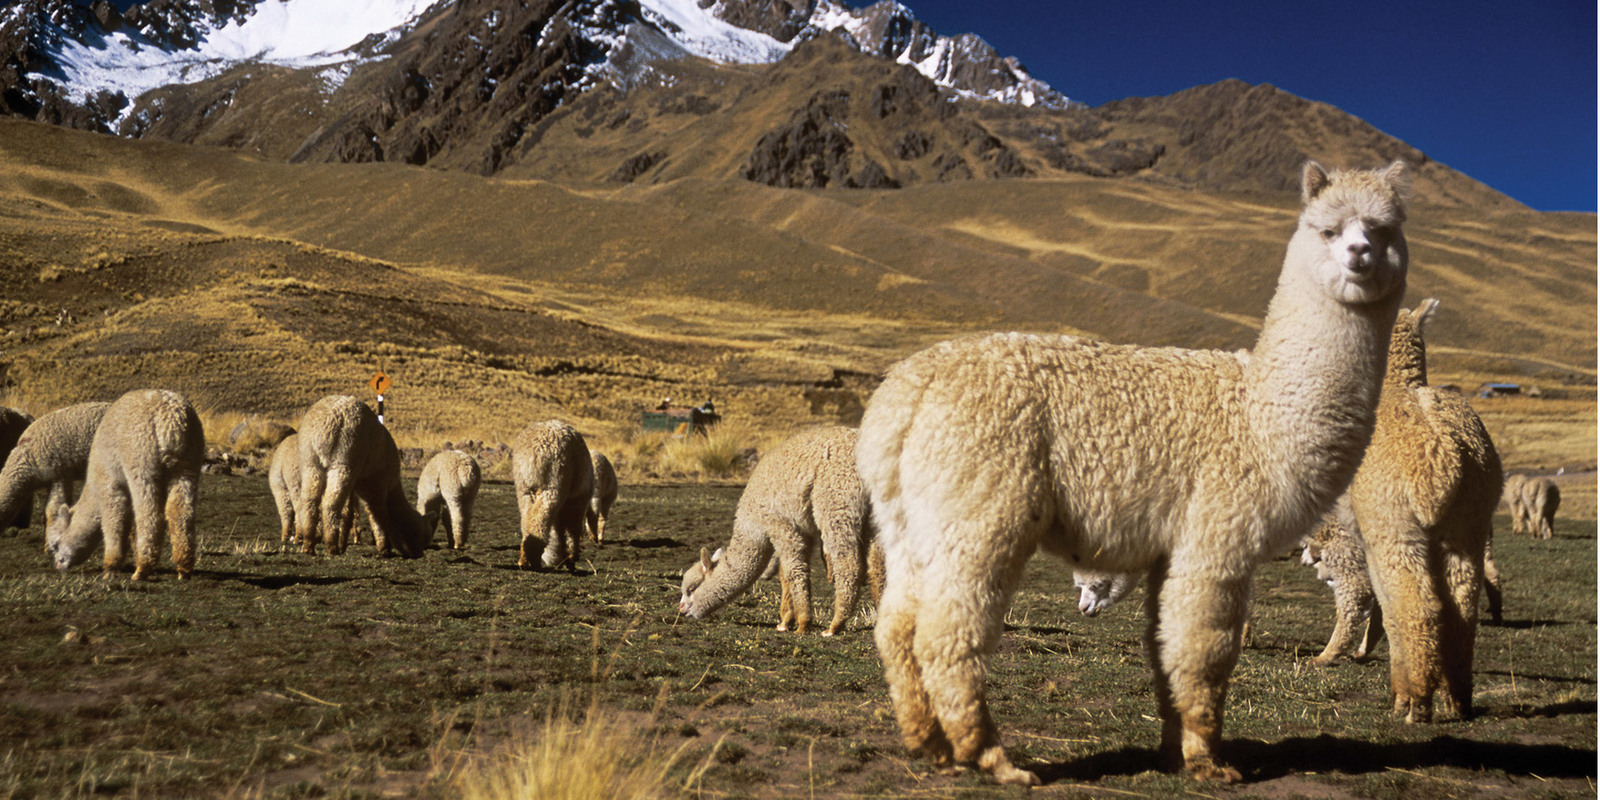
86	64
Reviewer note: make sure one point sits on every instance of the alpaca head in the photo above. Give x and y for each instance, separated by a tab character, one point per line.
1098	591
695	576
65	551
1350	227
1408	354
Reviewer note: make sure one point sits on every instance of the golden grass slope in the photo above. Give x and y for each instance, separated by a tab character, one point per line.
260	286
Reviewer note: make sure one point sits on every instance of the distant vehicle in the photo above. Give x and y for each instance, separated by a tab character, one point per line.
680	420
1499	390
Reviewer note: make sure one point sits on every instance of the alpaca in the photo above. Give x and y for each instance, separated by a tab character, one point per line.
283	478
142	478
1423	502
1513	495
1341	562
802	494
345	453
554	478
12	424
605	494
450	479
1192	465
53	452
1540	500
1098	591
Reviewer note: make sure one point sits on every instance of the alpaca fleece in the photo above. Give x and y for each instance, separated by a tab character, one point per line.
554	478
1190	465
346	453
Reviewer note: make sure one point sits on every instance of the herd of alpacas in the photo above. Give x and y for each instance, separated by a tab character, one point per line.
1186	469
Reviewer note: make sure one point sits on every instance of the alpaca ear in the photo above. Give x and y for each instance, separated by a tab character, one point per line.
705	559
1313	179
717	556
1423	313
1396	175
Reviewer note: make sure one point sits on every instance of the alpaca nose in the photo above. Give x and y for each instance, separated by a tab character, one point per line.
1360	248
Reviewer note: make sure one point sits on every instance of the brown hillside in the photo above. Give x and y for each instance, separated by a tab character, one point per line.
260	286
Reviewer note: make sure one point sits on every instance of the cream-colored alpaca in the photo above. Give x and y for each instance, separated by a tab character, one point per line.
1540	500
1424	501
605	495
554	478
346	453
1192	465
52	452
12	424
143	476
449	483
803	494
1341	562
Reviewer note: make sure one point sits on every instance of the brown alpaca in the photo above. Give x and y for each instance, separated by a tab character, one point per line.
1424	501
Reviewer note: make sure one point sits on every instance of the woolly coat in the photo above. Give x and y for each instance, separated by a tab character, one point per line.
449	483
554	478
145	456
52	452
345	450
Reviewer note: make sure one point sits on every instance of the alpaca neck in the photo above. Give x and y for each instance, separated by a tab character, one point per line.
1311	388
742	563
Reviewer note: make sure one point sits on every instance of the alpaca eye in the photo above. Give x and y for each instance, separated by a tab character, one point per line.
1328	234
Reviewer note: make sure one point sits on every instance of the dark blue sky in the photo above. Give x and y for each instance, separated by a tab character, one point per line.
1504	92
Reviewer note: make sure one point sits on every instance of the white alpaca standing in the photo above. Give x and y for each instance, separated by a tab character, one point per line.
605	495
142	479
1192	465
554	479
346	453
1540	500
449	480
52	452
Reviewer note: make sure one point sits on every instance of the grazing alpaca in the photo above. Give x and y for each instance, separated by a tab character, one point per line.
1341	562
605	495
1424	501
1540	499
1098	591
53	452
1192	465
1512	493
143	476
12	425
450	479
554	478
803	494
345	453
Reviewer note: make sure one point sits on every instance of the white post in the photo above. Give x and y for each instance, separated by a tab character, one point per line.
380	410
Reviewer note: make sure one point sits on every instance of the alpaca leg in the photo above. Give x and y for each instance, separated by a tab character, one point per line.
148	526
1348	616
347	524
1398	564
460	517
1374	633
794	553
601	519
285	521
335	499
894	635
116	527
1194	636
958	626
1458	628
180	523
591	523
571	525
1491	582
844	550
308	508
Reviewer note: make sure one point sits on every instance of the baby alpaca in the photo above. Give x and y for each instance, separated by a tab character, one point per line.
143	476
981	451
802	494
1098	591
554	479
605	494
52	452
451	480
1423	502
1341	562
345	453
12	424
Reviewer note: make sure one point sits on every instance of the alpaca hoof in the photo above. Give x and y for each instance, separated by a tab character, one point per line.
783	627
139	575
1013	776
829	632
1207	769
184	574
1324	661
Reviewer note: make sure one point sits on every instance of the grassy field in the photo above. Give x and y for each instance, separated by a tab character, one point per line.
293	676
